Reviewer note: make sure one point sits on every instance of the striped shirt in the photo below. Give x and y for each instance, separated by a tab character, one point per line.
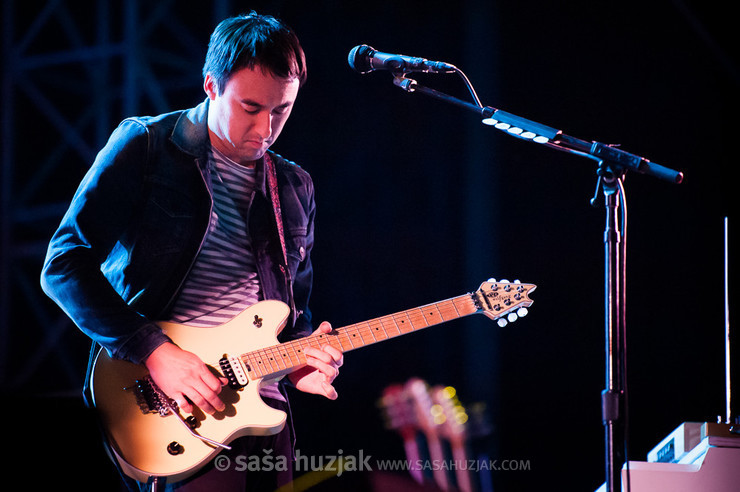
223	281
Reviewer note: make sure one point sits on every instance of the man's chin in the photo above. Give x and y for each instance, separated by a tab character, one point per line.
251	155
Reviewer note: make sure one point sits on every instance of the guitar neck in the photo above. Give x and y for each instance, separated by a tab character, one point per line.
282	358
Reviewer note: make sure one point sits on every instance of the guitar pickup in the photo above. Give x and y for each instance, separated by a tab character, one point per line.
234	371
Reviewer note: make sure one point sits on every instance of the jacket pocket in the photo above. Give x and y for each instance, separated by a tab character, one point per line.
169	219
296	244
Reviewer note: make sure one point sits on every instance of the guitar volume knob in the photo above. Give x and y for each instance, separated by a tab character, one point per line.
175	448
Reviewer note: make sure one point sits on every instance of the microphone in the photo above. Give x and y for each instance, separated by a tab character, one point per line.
365	59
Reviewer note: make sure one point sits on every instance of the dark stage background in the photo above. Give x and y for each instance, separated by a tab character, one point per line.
417	202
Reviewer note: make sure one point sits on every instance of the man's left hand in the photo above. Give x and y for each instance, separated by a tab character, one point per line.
322	367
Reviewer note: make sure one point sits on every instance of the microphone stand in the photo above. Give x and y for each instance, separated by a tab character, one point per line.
613	164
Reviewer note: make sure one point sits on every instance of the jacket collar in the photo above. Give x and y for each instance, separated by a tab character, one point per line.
191	131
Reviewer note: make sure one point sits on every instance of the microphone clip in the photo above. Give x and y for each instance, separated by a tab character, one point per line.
400	80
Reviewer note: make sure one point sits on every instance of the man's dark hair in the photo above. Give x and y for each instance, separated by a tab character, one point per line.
247	41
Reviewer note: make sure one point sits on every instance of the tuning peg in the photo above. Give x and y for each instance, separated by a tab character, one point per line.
517	281
492	280
512	317
502	322
504	281
522	312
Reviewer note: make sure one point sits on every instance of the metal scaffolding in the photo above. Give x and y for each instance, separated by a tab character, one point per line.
71	72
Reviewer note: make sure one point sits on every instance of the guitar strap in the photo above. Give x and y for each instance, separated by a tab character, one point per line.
275	197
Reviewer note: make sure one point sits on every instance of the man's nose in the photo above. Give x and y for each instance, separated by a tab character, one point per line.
264	124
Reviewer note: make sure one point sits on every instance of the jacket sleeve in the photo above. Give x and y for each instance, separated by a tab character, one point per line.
81	249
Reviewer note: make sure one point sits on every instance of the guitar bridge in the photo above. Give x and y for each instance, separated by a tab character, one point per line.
151	399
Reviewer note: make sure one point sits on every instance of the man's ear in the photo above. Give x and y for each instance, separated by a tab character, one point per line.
210	86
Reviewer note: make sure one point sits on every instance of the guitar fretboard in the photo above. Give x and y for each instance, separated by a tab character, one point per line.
275	359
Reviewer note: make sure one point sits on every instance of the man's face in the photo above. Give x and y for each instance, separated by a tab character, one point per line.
246	119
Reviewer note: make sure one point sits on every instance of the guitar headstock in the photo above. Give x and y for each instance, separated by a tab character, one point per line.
449	412
398	410
503	301
421	398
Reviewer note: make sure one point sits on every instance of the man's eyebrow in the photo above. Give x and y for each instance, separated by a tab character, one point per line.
250	102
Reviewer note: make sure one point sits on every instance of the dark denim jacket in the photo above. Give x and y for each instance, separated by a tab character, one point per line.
137	222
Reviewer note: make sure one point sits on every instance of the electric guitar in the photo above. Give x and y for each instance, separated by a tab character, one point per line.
453	420
149	436
421	398
400	416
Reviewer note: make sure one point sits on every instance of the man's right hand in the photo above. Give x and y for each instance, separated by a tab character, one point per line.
185	378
